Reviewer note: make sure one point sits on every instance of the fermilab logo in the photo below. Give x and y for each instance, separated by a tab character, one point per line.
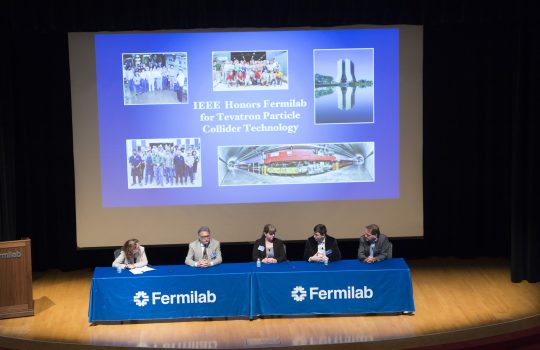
299	293
140	298
193	297
10	255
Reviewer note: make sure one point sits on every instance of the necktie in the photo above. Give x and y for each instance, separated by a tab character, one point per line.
372	248
204	254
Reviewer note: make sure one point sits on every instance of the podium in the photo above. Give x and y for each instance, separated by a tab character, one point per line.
16	279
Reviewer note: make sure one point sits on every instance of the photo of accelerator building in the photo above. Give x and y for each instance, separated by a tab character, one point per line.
345	71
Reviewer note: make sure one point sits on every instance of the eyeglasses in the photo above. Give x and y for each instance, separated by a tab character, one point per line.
204	236
271	233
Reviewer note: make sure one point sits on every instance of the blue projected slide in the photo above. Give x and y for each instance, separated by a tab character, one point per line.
248	117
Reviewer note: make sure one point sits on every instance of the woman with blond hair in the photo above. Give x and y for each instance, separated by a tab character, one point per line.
131	255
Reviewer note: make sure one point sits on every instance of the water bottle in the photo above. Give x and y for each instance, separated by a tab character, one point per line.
325	261
258	262
119	269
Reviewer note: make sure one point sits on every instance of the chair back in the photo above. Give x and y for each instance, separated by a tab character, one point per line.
285	249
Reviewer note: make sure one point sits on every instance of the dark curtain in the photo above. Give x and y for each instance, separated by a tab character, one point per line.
480	114
7	154
40	170
467	113
524	161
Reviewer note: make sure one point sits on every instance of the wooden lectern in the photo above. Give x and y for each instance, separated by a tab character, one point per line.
16	279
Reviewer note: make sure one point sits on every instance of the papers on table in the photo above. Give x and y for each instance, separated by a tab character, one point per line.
140	270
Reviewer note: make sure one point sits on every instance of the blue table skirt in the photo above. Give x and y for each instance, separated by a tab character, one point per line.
243	290
171	292
343	287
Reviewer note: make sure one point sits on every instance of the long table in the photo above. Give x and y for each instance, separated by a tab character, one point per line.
342	287
169	292
243	290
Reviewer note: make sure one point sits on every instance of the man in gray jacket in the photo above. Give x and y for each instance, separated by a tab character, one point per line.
374	246
205	251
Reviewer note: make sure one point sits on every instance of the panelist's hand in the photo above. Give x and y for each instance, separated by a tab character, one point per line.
130	266
269	260
317	258
370	260
203	263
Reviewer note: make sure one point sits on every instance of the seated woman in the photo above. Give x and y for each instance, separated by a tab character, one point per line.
132	255
268	248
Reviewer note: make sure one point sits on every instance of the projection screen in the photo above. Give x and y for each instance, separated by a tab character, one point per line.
236	129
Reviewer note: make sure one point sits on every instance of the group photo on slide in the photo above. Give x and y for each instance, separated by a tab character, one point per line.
155	78
252	70
158	163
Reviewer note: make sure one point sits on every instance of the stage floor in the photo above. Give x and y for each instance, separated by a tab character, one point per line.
455	299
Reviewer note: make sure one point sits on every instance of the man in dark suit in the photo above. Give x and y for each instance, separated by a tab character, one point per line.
374	246
321	246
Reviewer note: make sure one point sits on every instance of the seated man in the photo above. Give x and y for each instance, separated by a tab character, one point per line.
205	251
374	246
321	246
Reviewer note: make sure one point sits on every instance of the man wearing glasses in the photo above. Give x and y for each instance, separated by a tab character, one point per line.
205	251
374	246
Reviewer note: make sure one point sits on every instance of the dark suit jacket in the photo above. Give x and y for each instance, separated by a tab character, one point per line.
382	248
279	250
329	244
